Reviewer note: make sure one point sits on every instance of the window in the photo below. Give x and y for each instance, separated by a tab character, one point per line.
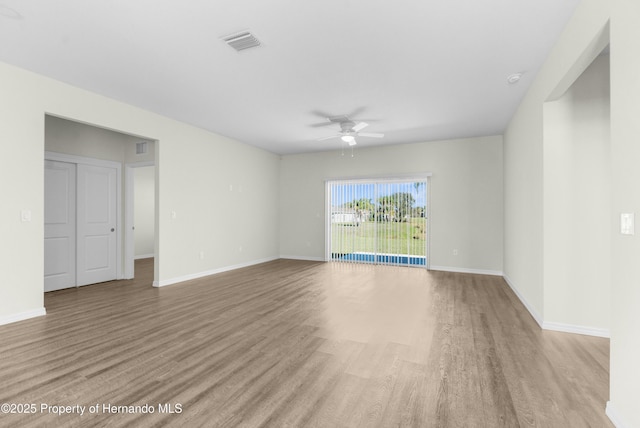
378	221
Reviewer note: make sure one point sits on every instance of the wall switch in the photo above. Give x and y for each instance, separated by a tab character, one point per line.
201	255
455	252
25	215
627	223
173	214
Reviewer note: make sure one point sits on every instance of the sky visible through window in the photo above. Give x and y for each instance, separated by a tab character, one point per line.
343	193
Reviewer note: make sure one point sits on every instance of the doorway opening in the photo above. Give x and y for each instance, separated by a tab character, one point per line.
383	221
578	186
86	239
140	196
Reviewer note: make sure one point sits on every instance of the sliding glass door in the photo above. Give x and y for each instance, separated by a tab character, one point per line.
378	221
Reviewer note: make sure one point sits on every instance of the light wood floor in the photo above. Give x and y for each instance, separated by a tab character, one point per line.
293	343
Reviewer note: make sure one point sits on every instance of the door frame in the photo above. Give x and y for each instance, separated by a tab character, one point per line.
129	220
63	157
426	177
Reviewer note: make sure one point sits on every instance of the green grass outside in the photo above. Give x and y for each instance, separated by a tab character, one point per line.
392	238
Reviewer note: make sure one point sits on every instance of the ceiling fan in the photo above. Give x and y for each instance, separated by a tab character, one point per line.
349	130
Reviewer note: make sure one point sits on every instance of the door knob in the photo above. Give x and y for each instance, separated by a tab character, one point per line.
112	229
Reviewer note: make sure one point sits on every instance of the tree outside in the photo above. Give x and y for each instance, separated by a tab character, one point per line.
391	225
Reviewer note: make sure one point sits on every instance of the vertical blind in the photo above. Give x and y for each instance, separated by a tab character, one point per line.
382	222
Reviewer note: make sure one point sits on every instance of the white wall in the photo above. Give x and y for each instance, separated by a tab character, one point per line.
144	211
22	184
625	151
194	170
585	35
577	197
466	197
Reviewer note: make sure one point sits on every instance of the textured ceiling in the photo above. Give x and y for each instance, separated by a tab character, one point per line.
416	70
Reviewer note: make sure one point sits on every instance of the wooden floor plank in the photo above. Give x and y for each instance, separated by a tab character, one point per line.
294	343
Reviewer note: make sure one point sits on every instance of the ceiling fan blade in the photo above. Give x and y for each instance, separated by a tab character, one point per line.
370	134
328	138
321	124
329	120
357	111
360	126
338	119
321	114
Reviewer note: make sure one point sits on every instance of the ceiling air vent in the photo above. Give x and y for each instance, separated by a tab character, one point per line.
241	41
141	148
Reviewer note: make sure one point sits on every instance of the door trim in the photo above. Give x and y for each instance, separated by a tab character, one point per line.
63	157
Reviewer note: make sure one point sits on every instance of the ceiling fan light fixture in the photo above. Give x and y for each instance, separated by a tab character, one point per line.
348	139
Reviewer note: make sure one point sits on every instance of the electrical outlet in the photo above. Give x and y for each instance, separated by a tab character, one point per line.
455	251
201	255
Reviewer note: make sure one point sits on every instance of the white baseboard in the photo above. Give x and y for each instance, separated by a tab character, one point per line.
614	416
197	275
536	316
144	256
576	329
22	316
465	270
557	326
308	259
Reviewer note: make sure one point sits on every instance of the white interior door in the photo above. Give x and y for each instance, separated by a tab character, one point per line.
97	214
59	225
